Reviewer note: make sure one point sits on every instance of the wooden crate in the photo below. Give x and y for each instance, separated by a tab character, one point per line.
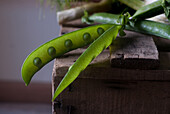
106	89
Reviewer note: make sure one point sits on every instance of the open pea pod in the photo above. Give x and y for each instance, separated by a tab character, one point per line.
91	52
57	47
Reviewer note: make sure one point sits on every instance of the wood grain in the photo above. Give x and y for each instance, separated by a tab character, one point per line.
135	51
102	89
90	96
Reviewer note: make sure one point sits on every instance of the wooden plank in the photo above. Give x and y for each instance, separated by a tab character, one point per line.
90	96
135	51
100	68
102	89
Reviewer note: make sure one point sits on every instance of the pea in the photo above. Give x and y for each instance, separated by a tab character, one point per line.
100	31
68	43
51	51
86	37
37	62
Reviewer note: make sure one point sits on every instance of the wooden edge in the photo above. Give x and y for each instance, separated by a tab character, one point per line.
134	51
105	71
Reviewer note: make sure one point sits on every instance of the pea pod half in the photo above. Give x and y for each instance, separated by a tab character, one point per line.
57	47
92	51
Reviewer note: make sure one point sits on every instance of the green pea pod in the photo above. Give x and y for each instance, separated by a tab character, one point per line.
57	47
92	51
150	10
105	18
151	28
145	26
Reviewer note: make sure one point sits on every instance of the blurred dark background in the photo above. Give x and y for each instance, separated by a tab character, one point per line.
24	25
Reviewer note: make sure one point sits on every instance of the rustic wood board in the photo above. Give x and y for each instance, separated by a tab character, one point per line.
104	89
134	50
101	89
102	67
90	96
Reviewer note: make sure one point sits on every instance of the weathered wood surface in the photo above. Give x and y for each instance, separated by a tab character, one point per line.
102	67
134	50
101	89
90	96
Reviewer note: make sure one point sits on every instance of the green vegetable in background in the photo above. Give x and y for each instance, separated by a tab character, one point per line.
152	9
142	26
149	10
136	22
